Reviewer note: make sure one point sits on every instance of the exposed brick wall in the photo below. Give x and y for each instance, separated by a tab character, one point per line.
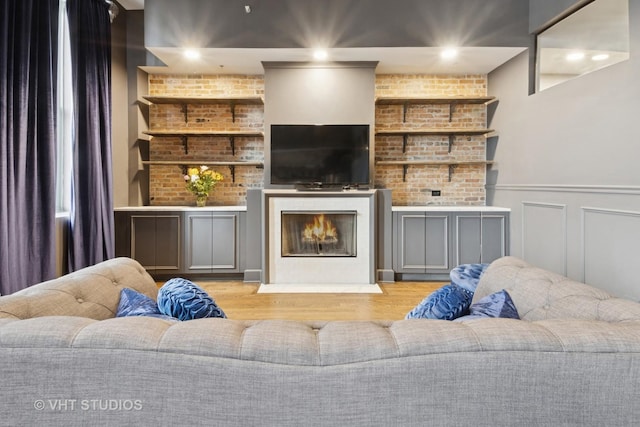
467	186
166	183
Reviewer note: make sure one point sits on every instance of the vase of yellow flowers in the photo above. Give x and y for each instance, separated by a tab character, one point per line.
200	181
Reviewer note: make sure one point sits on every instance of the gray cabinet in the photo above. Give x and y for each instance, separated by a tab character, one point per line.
479	237
211	242
421	243
187	241
155	241
427	244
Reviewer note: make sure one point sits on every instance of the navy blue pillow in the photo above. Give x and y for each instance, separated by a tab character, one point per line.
447	303
185	300
467	276
498	304
133	303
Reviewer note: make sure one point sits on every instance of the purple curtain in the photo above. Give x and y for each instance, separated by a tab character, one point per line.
28	44
91	237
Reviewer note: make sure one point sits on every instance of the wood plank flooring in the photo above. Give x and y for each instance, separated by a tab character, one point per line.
241	301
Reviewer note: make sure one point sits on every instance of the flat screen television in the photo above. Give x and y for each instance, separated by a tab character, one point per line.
320	154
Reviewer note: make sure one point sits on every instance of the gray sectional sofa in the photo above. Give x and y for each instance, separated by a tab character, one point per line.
573	360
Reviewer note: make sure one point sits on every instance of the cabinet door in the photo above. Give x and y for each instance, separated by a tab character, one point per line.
494	237
422	242
467	238
479	238
155	241
411	247
437	243
211	242
143	240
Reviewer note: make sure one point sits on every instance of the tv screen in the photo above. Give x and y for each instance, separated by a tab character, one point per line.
325	154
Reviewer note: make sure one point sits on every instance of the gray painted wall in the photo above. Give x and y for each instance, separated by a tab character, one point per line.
130	179
567	166
336	23
340	93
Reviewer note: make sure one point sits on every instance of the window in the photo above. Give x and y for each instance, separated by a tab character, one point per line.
64	114
593	37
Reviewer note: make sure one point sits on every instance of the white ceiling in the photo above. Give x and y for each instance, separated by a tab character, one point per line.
132	4
409	60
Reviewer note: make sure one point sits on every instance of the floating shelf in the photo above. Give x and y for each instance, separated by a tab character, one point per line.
184	101
227	133
204	100
435	100
186	163
452	164
452	101
185	134
451	132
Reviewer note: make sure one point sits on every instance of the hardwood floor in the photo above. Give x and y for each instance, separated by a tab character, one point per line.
241	301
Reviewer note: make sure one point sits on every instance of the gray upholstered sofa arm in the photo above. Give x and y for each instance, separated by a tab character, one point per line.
93	292
540	294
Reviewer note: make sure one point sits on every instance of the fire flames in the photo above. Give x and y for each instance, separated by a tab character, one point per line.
320	230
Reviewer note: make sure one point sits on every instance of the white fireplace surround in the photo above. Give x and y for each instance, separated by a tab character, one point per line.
283	270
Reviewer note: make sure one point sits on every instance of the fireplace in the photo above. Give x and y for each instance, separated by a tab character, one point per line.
323	238
318	234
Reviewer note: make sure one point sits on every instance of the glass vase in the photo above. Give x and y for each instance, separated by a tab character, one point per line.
201	200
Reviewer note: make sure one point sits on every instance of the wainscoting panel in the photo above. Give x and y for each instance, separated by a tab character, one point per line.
611	248
544	235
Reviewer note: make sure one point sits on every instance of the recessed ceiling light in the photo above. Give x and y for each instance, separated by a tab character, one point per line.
575	56
320	55
449	53
600	57
192	54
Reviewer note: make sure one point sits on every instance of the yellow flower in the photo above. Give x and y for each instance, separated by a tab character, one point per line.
201	180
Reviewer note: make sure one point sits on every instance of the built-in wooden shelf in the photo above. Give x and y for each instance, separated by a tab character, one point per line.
435	131
452	101
451	132
450	163
185	134
196	132
239	100
383	100
184	164
186	100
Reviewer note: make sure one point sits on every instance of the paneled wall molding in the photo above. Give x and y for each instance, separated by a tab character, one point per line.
544	235
586	209
609	249
569	188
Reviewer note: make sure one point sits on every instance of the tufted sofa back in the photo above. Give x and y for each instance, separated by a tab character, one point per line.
539	294
93	292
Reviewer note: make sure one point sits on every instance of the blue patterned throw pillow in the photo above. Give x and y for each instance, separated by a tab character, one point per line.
447	303
133	303
185	300
467	276
498	304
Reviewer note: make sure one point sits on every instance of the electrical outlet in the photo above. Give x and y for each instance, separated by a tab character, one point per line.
435	193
